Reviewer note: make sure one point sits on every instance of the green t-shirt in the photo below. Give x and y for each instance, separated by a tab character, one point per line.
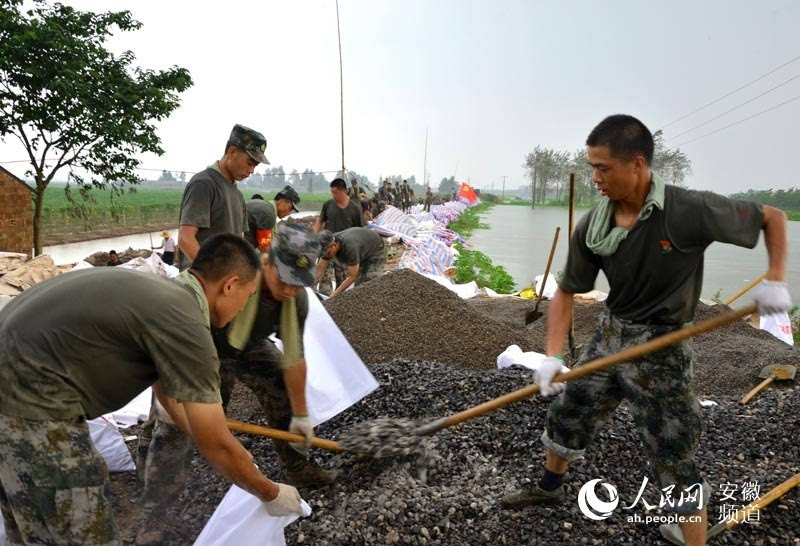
336	219
260	215
358	245
213	205
87	342
656	273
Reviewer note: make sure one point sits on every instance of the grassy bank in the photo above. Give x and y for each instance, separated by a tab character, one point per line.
472	265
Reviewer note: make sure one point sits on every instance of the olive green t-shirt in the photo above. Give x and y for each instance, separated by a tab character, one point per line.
213	205
260	215
336	219
87	342
656	273
358	245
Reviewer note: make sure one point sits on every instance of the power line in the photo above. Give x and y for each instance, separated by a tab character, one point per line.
740	121
735	107
715	101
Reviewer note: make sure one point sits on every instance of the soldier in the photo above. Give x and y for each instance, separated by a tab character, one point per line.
397	196
262	216
385	193
247	354
338	214
428	199
147	330
360	250
649	239
211	202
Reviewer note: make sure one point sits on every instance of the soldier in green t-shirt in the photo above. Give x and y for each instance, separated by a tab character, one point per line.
649	240
360	251
85	343
277	379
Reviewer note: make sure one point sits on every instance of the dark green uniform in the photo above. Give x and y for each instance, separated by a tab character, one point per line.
655	276
362	247
261	220
75	347
336	219
213	205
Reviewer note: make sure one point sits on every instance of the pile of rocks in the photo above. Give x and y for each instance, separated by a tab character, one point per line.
727	360
403	314
385	501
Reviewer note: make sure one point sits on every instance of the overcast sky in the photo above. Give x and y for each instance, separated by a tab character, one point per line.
489	80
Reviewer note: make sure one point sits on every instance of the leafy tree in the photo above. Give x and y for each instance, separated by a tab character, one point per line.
75	105
671	165
448	185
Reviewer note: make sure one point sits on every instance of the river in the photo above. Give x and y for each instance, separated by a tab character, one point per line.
74	252
520	238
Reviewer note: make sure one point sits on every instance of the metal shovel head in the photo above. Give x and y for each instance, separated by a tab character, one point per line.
778	371
532	315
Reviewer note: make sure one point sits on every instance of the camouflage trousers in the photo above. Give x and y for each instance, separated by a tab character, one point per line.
170	449
334	271
371	268
660	393
53	485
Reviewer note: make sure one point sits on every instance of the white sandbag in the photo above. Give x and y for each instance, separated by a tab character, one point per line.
83	264
464	291
779	325
514	356
336	377
134	411
109	443
241	519
4	300
549	287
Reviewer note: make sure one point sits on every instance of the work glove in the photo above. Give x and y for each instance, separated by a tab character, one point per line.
301	424
772	297
547	370
286	503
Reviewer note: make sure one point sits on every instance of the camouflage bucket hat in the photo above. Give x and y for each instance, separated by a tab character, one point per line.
325	241
250	141
294	252
289	193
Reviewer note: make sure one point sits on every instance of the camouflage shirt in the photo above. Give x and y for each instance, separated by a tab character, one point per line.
87	342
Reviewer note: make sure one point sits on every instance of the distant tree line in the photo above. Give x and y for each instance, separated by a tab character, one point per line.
780	199
549	172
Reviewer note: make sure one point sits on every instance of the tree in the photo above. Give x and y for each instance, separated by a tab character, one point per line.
672	165
448	185
73	104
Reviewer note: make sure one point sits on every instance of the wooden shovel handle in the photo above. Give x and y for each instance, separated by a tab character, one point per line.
761	386
773	494
276	434
547	269
632	353
746	288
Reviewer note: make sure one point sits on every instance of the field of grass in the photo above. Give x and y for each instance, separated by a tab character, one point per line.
56	200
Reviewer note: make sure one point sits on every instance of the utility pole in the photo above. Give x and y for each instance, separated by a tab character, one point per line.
504	188
341	87
425	164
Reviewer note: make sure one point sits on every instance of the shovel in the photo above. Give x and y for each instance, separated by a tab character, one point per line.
276	434
531	316
674	535
629	354
771	373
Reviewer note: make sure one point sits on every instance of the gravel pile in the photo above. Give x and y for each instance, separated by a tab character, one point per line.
727	361
384	501
403	314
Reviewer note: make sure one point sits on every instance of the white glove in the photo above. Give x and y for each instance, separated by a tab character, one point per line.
547	370
301	425
772	297
286	503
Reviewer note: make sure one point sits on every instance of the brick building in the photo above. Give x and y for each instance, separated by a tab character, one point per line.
16	214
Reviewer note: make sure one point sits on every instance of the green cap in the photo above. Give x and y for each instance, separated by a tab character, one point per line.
289	193
250	141
294	252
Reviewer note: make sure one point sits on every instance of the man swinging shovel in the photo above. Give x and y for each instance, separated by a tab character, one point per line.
649	240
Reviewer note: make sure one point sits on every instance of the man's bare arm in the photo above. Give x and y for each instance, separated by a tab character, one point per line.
775	241
352	274
187	241
559	317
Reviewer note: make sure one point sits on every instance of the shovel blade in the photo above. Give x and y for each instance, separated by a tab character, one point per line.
532	316
778	371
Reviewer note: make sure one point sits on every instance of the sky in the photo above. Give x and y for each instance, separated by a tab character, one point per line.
487	80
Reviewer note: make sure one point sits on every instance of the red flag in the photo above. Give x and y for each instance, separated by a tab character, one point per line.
466	192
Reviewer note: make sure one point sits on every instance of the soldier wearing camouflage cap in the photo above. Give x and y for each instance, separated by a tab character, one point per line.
262	216
212	203
359	251
277	379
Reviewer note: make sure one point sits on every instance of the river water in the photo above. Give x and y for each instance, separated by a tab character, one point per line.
74	252
520	238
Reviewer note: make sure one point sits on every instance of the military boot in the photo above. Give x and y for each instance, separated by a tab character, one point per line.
300	471
531	494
